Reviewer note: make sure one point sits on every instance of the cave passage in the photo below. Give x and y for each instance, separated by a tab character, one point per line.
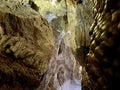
59	44
61	67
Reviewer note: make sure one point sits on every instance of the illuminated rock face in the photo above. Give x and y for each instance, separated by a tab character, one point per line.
104	56
63	72
70	17
26	43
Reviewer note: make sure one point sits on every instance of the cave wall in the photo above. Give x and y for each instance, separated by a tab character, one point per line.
26	43
26	47
103	61
75	16
84	18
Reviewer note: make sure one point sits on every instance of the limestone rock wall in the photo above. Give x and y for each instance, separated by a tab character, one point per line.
62	67
70	24
26	43
84	18
103	58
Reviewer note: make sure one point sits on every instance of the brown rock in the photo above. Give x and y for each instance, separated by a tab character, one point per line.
26	43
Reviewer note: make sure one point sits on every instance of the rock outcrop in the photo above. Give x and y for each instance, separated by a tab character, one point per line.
26	43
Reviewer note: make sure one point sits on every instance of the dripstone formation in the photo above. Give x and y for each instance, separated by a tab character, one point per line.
103	61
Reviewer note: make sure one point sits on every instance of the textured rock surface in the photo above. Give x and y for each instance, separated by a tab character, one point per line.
64	11
84	19
26	43
104	56
62	68
78	19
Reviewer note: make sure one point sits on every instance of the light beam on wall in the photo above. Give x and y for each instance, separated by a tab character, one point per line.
53	2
